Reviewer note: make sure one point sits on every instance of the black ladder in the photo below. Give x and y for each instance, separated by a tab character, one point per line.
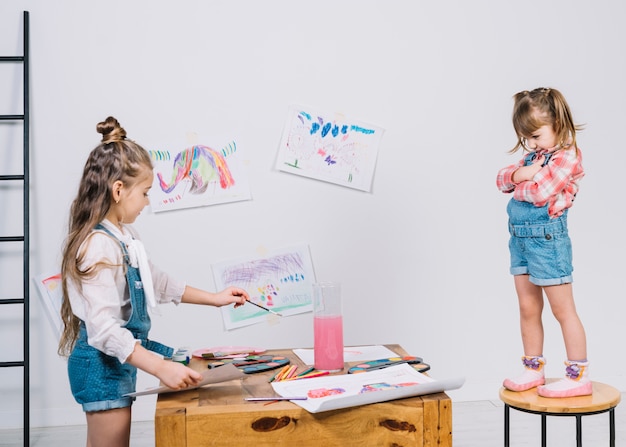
24	238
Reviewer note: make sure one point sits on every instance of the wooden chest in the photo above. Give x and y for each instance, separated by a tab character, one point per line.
217	415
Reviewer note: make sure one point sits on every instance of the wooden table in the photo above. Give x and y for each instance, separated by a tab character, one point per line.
603	399
217	415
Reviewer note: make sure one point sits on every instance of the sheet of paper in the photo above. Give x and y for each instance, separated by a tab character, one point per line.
329	146
51	294
280	280
351	354
349	390
221	374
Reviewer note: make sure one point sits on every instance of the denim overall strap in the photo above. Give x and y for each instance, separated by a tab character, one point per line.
530	157
139	322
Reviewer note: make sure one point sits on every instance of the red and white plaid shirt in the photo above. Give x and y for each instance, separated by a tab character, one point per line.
556	184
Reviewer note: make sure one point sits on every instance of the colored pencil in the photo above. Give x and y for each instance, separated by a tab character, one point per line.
315	374
286	373
275	376
283	372
292	372
306	371
311	375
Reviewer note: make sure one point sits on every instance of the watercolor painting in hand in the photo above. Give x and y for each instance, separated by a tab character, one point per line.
198	175
329	147
281	280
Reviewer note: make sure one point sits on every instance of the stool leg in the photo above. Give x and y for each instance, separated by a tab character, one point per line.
579	431
506	425
543	431
612	427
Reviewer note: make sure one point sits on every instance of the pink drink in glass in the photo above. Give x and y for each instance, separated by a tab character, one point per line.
328	340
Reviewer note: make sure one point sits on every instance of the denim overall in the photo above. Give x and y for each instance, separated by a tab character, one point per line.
539	245
99	381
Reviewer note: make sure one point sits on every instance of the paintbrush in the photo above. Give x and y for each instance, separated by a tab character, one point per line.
264	308
222	354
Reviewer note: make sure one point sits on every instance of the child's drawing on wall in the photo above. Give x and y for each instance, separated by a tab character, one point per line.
197	176
281	281
51	294
329	147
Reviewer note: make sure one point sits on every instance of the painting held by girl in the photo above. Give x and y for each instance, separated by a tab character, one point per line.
109	286
544	184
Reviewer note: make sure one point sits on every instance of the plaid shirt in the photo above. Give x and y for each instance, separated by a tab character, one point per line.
556	184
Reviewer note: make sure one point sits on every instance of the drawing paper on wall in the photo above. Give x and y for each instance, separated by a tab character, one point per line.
329	147
280	280
51	294
198	175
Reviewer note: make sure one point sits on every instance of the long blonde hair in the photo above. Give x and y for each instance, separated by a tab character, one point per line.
115	158
543	107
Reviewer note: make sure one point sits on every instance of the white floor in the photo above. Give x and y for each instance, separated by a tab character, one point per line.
475	424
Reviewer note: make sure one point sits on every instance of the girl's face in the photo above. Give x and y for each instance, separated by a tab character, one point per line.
132	200
543	139
137	198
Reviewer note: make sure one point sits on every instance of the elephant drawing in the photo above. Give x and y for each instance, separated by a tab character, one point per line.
202	166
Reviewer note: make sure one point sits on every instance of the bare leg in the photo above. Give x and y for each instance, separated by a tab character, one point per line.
576	381
110	428
561	300
530	297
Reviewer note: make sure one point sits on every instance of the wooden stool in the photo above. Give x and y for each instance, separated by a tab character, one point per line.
604	398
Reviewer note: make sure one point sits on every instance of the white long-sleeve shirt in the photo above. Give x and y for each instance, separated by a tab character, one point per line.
104	304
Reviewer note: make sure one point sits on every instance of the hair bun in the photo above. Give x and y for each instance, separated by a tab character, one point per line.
111	130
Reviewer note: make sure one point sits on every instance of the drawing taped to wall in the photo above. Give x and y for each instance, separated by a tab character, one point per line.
197	176
281	280
51	294
329	147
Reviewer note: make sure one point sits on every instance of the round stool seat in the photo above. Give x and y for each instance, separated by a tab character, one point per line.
604	397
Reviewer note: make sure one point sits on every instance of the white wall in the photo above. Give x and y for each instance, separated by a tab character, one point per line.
423	258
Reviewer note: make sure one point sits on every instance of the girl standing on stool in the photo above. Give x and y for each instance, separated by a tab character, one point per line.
108	285
544	185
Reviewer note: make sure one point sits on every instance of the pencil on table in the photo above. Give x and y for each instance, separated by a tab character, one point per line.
311	375
286	373
316	374
277	375
292	372
306	371
283	373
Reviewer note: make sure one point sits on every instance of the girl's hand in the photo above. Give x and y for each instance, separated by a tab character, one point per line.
177	376
232	295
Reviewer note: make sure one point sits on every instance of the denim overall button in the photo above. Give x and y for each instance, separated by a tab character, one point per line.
548	237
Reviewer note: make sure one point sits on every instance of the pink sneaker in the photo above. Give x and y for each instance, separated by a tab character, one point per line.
575	383
532	376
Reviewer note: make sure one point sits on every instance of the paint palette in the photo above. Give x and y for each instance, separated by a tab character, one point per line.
415	362
254	363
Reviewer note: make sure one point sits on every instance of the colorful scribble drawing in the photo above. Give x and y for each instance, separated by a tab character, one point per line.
267	293
329	147
324	392
281	281
196	176
385	386
200	165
